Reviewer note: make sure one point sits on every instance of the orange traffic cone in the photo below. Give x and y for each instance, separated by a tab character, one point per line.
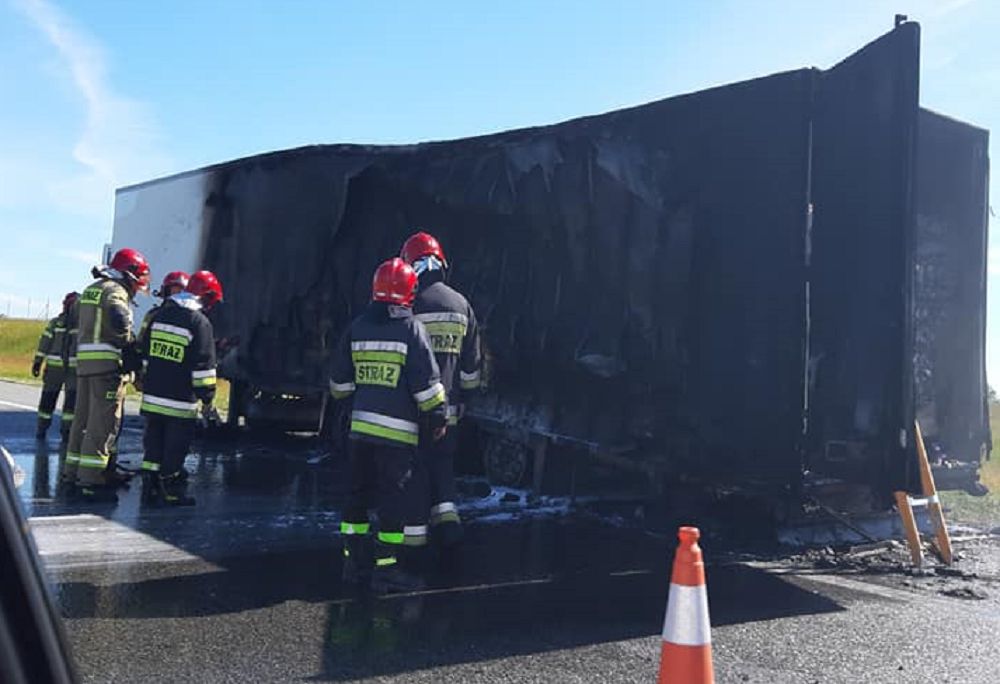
686	655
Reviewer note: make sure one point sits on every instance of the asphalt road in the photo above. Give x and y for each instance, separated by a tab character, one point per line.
244	588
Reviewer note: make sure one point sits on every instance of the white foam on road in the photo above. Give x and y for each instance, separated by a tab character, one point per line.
72	541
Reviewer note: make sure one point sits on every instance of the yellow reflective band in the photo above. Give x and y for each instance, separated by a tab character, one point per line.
391	434
203	382
67	417
387	560
97	322
354	528
391	537
168	411
93	461
98	356
151	466
433	402
46	416
169	337
72	458
385	356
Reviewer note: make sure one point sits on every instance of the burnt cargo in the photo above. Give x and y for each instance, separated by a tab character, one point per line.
725	285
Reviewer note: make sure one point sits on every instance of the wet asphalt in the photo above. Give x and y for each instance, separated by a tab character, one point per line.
244	587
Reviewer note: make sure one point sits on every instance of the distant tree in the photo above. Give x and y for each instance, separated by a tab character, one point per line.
991	395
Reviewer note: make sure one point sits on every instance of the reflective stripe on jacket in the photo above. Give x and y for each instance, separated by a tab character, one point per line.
385	362
178	348
104	328
454	333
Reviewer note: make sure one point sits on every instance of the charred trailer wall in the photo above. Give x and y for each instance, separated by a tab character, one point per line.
860	412
638	275
950	287
721	279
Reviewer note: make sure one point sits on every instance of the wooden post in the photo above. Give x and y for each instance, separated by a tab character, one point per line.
942	540
910	527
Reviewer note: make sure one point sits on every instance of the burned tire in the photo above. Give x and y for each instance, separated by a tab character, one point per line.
505	462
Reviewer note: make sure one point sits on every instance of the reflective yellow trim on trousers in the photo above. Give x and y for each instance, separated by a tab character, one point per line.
391	537
354	528
93	461
72	458
364	428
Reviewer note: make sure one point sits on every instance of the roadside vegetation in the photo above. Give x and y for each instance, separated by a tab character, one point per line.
18	341
980	510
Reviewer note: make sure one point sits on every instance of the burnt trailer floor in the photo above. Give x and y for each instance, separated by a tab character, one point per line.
245	587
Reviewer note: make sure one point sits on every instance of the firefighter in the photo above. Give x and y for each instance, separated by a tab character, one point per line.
104	348
173	283
179	353
54	347
451	324
385	363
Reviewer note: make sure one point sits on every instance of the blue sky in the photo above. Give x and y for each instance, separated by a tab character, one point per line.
100	93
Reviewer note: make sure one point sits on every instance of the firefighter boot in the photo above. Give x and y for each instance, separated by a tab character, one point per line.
397	570
173	492
150	488
96	494
359	560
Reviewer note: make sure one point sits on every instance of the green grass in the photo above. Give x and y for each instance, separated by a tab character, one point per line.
18	341
983	510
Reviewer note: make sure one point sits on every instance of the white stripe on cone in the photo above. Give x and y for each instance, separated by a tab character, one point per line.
687	622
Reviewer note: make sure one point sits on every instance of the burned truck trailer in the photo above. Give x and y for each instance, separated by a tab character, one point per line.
757	283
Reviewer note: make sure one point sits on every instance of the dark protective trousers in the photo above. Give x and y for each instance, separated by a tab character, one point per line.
386	478
52	382
438	457
166	442
98	419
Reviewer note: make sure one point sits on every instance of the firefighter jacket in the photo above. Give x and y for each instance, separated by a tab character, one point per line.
179	357
451	325
55	344
144	326
104	328
385	361
72	333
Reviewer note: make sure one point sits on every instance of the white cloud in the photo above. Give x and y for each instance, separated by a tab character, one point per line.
119	142
942	8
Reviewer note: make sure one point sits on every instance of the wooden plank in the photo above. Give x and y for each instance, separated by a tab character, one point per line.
910	527
942	543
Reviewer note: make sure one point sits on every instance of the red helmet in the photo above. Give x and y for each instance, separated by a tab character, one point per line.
70	299
420	245
173	279
133	265
206	287
395	282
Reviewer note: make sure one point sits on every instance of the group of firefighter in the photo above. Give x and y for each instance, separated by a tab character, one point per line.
405	365
90	349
